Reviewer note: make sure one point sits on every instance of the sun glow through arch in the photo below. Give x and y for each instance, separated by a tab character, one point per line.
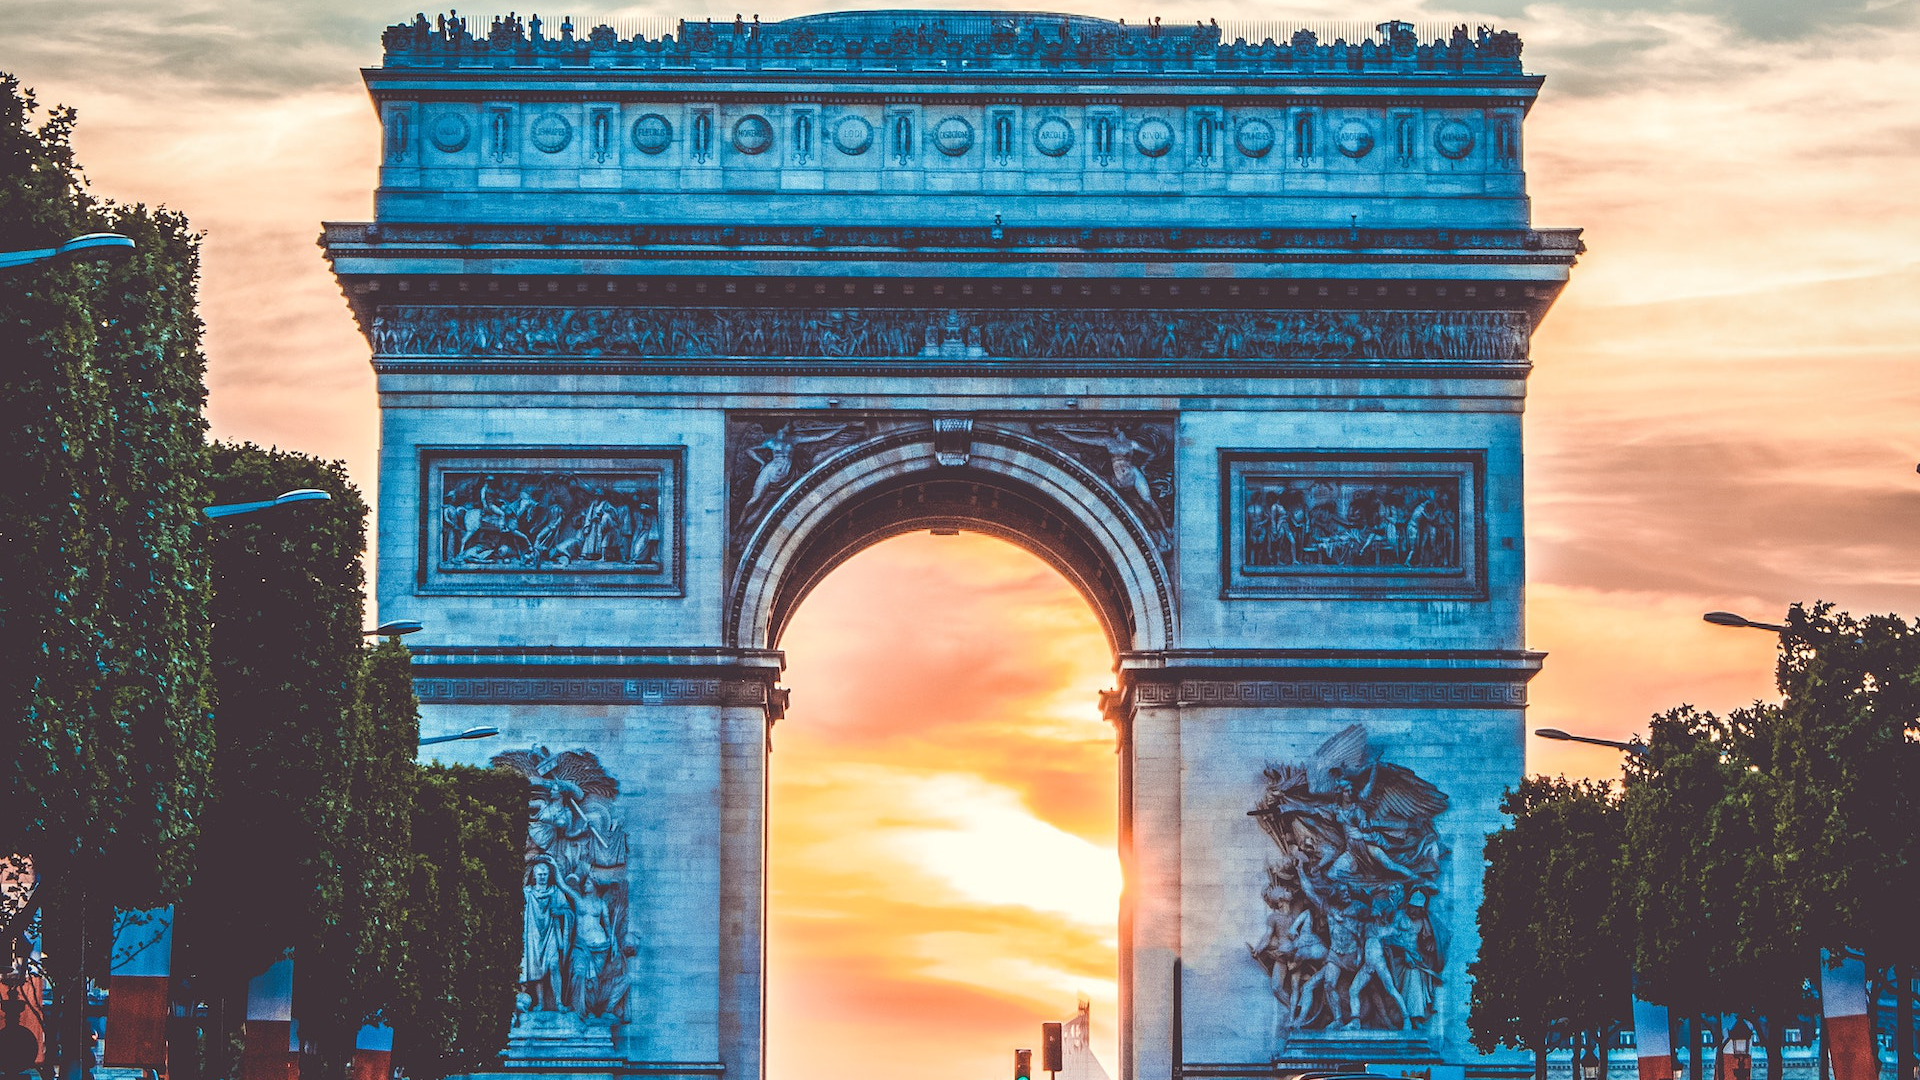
943	815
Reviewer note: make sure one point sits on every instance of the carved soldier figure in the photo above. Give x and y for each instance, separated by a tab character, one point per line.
547	923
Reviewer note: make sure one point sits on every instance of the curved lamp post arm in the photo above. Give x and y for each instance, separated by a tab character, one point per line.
1728	618
470	733
1637	748
90	245
226	510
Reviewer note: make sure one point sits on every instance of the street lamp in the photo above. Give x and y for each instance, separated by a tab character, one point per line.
396	628
226	510
470	733
91	245
1728	618
1635	747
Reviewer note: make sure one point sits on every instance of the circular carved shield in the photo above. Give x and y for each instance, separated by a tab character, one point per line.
551	133
1255	138
1354	139
953	136
752	134
852	135
1453	139
1053	136
1154	138
450	133
652	133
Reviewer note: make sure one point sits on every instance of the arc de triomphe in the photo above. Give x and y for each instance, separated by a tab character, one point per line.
1234	335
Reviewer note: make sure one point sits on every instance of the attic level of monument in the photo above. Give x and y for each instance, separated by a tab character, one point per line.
976	42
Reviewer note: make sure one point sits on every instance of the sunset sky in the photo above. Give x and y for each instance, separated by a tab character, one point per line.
1724	413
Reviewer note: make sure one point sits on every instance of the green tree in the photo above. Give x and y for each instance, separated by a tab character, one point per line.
1711	936
1847	757
351	970
1551	967
103	587
288	594
460	957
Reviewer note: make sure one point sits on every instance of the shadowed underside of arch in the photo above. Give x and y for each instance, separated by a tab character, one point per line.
1011	487
966	500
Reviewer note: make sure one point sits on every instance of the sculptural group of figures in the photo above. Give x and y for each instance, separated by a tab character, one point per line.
543	519
1002	37
905	333
1313	522
576	942
1353	939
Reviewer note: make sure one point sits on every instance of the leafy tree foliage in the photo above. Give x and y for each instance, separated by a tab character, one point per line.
1847	760
460	959
1713	938
288	593
103	587
350	970
1849	766
1550	966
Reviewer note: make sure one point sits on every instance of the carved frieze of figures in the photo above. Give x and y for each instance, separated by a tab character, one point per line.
767	454
695	332
1134	456
1301	522
528	519
1352	525
577	941
1355	936
535	519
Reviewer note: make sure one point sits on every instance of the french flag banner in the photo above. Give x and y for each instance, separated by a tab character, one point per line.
1849	1020
137	993
1653	1035
269	1053
373	1053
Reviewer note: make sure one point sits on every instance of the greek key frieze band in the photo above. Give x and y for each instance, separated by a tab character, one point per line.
575	691
1266	693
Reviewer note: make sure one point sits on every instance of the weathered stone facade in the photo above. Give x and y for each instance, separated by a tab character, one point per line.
1235	335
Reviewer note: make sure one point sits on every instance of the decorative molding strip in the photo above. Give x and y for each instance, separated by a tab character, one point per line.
570	691
342	237
1263	693
947	333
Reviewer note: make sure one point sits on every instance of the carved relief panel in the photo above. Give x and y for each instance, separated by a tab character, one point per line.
1356	938
1402	525
768	454
576	936
933	333
518	520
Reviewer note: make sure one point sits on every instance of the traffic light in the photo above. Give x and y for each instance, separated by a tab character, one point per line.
1023	1065
1050	1048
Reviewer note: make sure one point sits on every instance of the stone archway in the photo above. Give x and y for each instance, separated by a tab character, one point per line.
998	478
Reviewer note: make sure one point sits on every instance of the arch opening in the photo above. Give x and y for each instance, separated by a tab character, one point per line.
942	811
959	500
